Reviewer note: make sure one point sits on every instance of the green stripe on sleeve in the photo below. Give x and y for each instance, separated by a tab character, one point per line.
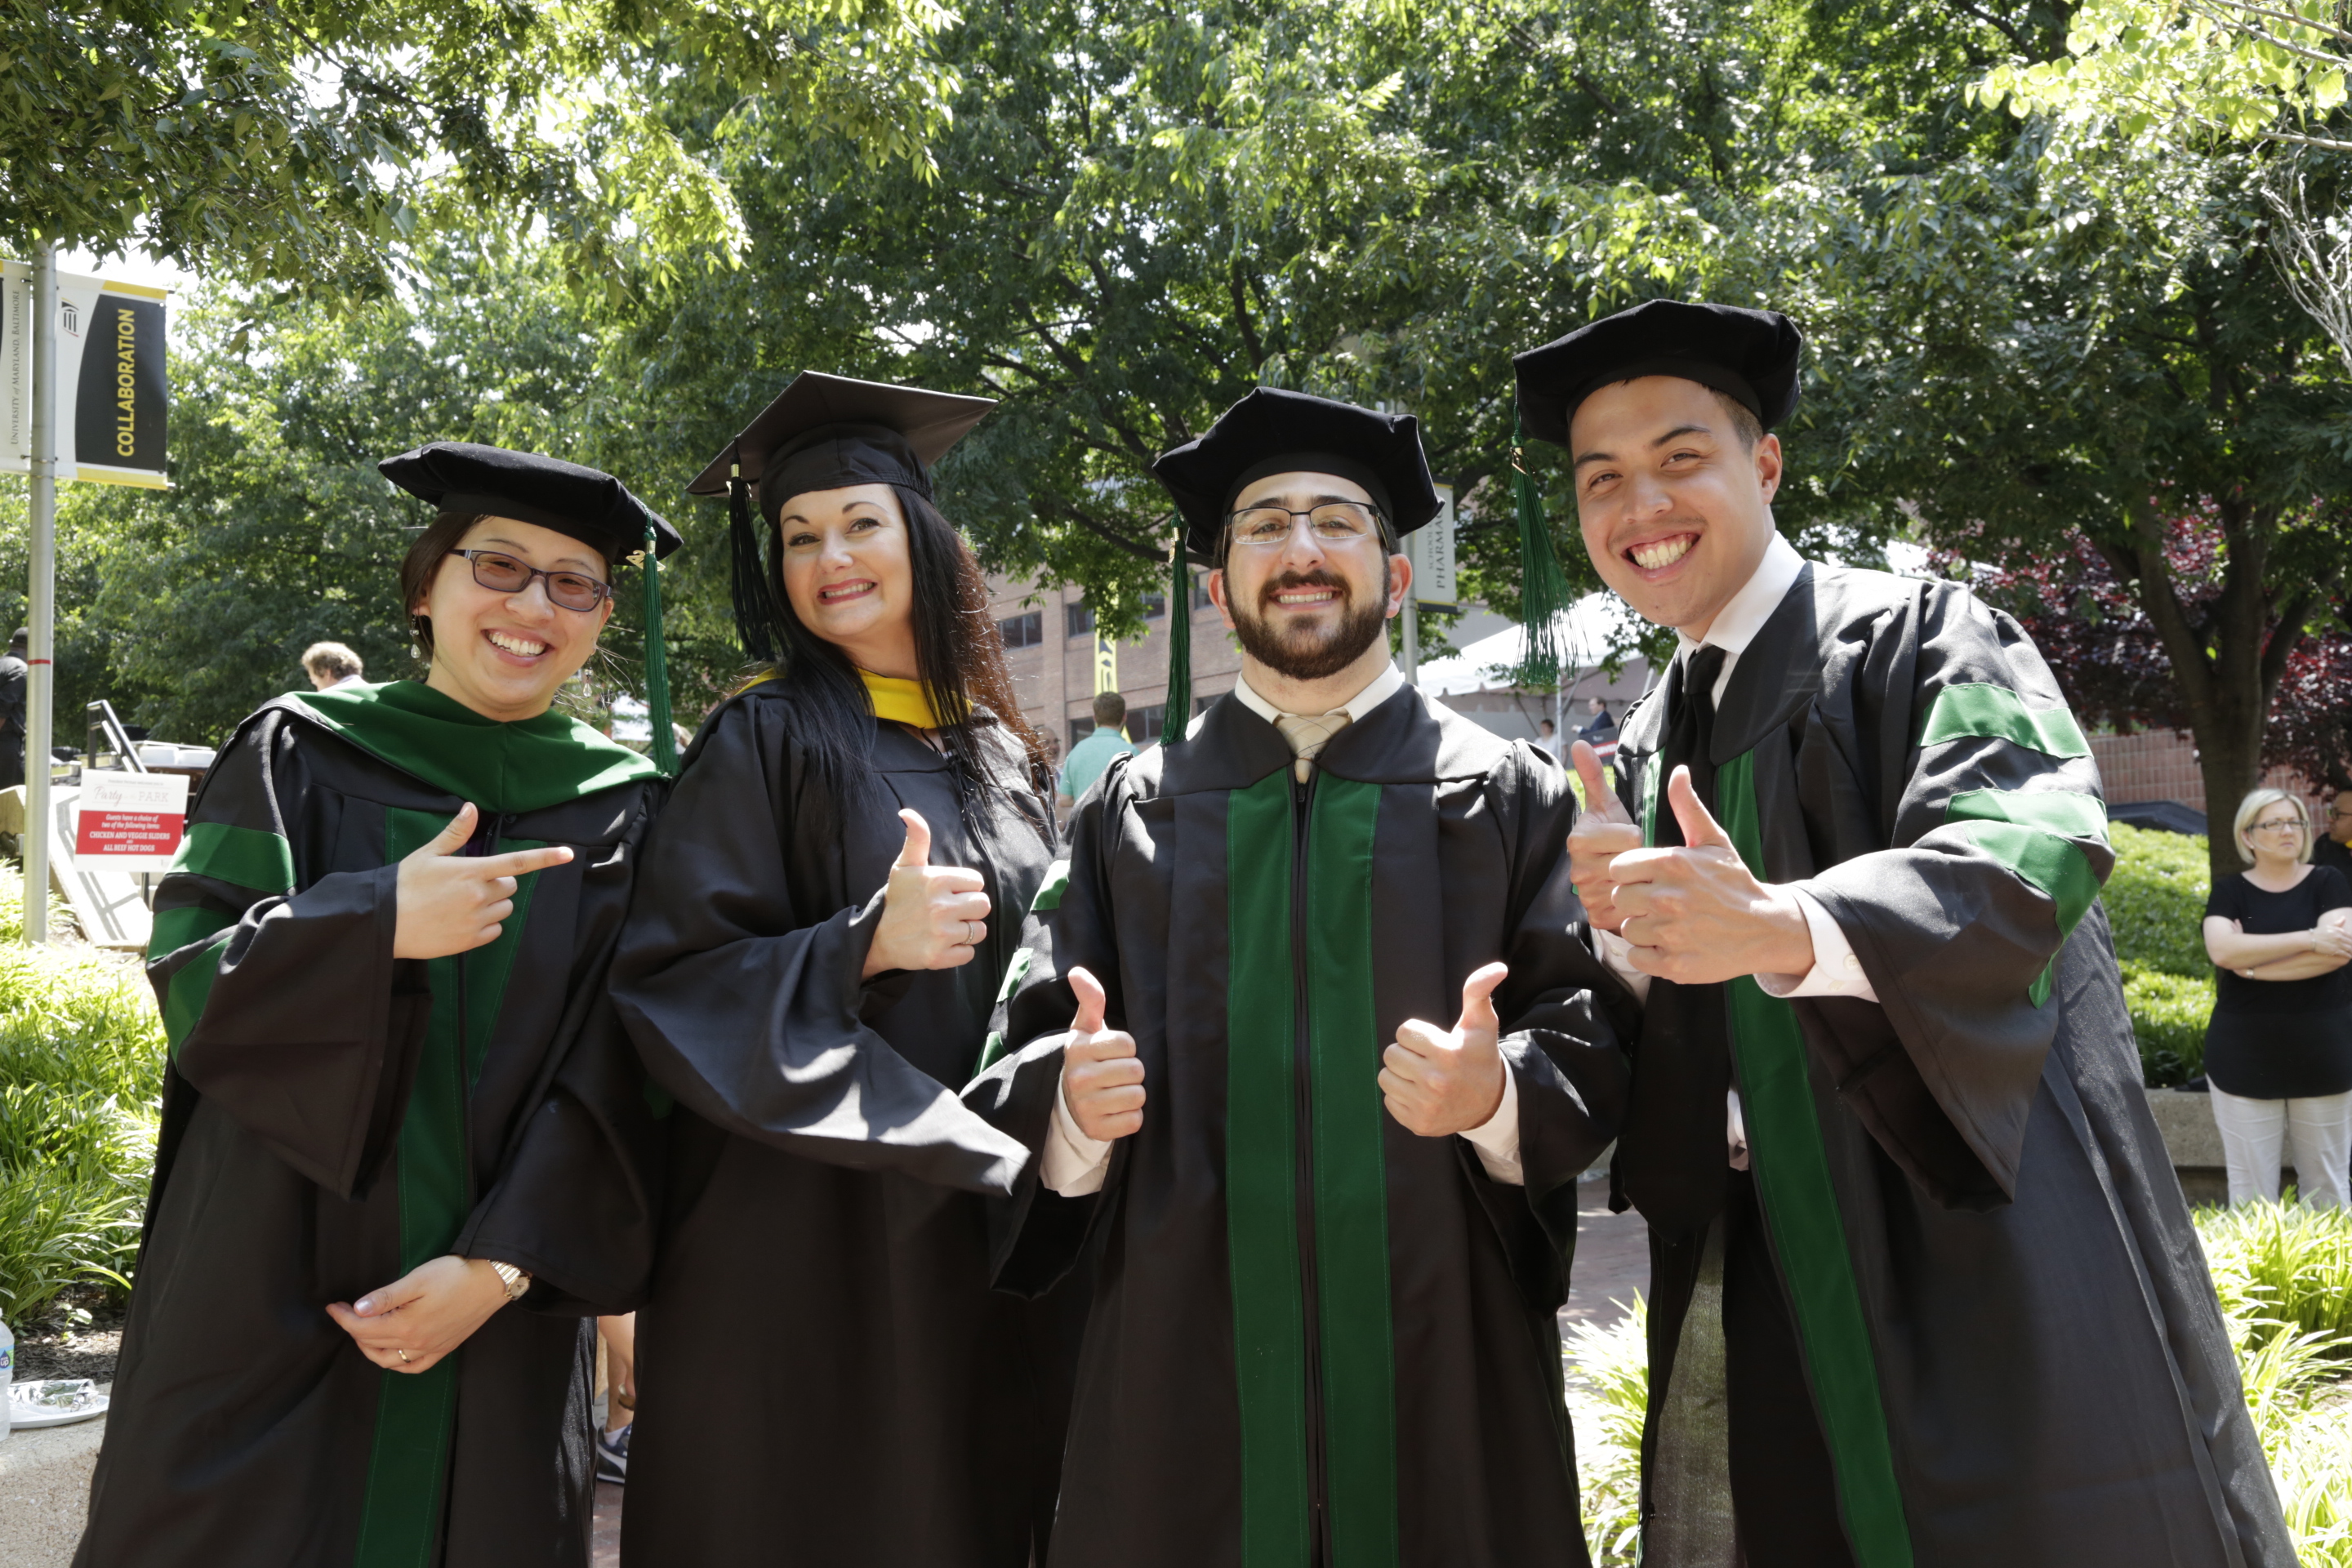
1049	891
1351	1233
1651	767
991	1052
1980	710
1800	1206
243	856
1260	1192
192	982
2030	831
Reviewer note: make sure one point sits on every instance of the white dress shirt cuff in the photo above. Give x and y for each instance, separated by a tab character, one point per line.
1497	1138
1076	1164
1836	971
1618	954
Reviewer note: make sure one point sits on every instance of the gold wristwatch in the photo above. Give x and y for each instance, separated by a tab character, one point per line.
516	1281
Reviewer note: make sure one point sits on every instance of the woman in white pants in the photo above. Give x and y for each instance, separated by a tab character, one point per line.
2278	1051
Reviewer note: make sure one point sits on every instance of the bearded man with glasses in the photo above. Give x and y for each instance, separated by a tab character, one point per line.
1333	1229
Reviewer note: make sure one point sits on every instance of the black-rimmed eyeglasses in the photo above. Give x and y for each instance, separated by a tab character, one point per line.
504	574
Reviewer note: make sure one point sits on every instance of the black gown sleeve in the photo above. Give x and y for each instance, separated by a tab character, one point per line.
1561	1048
281	998
748	1010
1998	847
577	1199
1037	1236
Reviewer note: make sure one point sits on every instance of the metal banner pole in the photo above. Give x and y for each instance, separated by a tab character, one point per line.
1411	640
41	592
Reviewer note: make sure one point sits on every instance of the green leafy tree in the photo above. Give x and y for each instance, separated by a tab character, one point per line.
308	143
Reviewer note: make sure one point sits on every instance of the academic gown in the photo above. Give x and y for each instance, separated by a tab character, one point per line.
334	1117
2004	1318
1318	1339
825	1375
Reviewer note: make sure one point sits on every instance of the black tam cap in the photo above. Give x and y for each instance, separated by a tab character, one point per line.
1750	356
1272	431
586	504
826	432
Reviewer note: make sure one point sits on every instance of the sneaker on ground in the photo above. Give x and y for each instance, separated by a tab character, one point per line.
612	1455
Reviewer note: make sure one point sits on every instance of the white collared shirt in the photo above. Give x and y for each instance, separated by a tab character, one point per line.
1076	1164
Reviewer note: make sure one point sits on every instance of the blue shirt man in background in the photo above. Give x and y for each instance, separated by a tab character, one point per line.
1090	756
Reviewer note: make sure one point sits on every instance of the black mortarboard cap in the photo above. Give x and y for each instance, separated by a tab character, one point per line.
1751	356
825	432
1272	431
586	503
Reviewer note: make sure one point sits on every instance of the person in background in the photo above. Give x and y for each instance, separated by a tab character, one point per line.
1547	738
2333	847
331	666
12	673
2278	1051
1090	756
1600	728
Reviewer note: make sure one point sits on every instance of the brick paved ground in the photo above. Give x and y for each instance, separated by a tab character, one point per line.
1612	1262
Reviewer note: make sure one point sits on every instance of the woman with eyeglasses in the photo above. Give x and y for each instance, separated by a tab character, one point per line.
826	911
2278	1051
404	1140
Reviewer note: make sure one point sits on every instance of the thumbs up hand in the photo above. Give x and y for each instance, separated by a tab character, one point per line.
1438	1082
933	917
448	902
1102	1080
1696	914
1604	829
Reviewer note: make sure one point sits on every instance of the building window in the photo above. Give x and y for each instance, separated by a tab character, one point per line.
1144	725
1154	605
1077	620
1022	631
1200	600
1079	730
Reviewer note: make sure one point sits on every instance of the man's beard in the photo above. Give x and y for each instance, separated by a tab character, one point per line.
1307	653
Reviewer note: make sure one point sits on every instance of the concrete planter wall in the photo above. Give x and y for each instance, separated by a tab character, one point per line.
2186	1120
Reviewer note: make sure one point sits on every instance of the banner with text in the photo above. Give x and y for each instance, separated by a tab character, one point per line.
111	397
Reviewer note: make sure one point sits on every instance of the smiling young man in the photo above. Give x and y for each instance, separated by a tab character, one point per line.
1924	1288
1333	1235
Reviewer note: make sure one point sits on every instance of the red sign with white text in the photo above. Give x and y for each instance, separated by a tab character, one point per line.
132	815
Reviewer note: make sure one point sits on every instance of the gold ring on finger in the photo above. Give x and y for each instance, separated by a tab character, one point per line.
401	1353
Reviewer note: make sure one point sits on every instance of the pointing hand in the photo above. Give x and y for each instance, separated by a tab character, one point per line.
447	902
1102	1080
1438	1082
933	917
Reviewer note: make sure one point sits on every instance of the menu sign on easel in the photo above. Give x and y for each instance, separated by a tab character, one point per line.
130	821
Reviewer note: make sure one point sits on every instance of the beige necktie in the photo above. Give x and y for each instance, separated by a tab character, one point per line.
1309	734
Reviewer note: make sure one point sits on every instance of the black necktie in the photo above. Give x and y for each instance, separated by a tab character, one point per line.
1671	1160
1690	731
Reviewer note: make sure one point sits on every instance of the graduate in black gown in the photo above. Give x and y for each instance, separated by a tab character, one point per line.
1923	1288
823	1374
405	1147
1335	1228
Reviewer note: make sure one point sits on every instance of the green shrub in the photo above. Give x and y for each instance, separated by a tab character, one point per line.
2168	1013
2285	1266
2155	900
81	1072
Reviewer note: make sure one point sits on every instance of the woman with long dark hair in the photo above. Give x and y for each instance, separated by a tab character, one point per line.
405	1146
820	931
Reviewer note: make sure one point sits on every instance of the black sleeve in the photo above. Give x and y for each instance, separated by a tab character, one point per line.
281	998
2228	899
750	1011
577	1197
2329	889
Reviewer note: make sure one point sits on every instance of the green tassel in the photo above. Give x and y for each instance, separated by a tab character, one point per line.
1178	710
658	664
1544	594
